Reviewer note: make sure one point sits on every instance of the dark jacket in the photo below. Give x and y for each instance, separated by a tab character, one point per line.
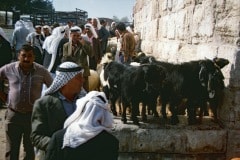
48	116
103	34
96	54
103	147
6	52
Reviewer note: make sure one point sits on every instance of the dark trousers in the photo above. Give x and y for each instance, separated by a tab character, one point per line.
18	128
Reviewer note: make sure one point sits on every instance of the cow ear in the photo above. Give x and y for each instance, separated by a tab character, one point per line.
203	73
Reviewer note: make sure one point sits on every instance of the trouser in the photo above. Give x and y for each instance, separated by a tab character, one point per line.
18	126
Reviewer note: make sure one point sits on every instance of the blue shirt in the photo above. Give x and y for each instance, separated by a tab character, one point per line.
70	107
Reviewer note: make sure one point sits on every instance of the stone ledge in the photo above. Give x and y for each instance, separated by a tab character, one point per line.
157	156
158	138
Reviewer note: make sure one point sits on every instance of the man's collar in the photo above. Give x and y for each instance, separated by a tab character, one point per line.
17	65
62	97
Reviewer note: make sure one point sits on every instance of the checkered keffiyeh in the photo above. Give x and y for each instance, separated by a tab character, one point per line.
65	72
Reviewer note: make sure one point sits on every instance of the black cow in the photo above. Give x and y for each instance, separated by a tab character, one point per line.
133	85
111	76
197	81
217	83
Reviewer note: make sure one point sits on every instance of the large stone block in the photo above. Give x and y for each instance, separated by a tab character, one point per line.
168	139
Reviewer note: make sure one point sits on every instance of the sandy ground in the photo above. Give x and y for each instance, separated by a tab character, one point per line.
2	134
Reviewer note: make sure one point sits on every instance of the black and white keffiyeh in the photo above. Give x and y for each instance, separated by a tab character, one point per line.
65	72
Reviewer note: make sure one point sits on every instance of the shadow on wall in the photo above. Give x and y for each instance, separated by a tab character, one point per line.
235	68
231	112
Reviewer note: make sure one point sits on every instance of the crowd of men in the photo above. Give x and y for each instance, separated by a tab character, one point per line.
47	69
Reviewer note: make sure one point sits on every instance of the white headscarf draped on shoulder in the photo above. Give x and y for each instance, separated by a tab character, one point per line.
65	72
29	26
91	117
19	24
51	44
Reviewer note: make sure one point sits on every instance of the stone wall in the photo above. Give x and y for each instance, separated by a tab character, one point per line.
183	30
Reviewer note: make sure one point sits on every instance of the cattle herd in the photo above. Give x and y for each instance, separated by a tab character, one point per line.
198	84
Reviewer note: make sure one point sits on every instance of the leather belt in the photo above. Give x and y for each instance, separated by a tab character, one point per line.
27	112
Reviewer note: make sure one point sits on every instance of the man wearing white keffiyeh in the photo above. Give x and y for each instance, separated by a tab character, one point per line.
59	102
84	131
78	50
18	38
52	58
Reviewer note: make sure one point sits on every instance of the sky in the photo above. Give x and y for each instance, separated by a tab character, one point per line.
98	8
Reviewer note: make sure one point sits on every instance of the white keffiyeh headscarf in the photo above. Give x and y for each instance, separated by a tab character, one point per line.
98	23
90	26
65	72
72	30
91	117
19	24
51	44
29	26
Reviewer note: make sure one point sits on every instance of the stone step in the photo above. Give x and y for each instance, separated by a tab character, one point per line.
159	139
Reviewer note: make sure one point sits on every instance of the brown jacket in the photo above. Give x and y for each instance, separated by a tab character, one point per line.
128	44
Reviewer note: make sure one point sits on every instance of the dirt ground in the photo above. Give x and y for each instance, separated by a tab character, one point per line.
2	134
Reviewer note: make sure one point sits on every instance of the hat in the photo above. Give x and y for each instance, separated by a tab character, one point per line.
65	72
76	29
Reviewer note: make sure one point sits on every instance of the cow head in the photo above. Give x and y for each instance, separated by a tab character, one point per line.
211	77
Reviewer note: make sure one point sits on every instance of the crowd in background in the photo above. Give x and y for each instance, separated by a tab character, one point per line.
39	61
